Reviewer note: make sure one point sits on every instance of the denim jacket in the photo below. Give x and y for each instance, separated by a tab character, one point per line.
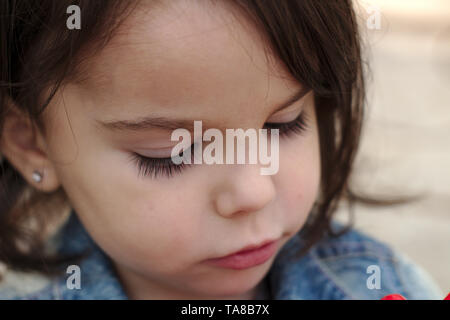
333	269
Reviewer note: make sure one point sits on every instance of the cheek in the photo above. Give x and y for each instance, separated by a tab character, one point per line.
298	179
136	220
152	234
157	221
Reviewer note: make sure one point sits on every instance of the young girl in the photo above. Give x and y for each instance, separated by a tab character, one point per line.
86	120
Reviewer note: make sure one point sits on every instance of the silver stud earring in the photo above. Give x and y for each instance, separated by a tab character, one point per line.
37	176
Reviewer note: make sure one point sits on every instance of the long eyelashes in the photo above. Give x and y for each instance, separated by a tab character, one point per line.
157	167
154	167
297	126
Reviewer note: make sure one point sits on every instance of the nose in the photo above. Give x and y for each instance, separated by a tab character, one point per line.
243	189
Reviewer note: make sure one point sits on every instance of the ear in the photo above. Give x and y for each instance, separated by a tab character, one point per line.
22	143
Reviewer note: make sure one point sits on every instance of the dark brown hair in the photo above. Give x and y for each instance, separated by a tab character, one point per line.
318	41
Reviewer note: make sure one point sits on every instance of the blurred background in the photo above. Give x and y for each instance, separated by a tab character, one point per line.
406	142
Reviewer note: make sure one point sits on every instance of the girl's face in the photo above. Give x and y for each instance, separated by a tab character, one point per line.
184	62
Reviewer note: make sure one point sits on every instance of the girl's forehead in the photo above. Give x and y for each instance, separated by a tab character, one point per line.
186	57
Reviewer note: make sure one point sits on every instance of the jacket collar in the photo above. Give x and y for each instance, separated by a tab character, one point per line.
302	278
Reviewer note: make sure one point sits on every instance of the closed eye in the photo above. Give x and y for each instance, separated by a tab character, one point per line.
156	167
297	126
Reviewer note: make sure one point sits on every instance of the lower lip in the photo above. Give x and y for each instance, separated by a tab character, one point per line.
246	259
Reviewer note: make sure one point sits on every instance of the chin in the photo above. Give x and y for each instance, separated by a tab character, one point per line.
235	283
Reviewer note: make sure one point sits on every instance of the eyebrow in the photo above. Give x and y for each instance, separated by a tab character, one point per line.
148	123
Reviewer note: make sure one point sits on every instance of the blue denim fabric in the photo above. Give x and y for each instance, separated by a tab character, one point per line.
334	269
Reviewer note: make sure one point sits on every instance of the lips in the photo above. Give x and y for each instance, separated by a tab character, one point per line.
248	256
252	247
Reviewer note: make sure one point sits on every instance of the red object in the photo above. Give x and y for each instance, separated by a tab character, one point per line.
247	258
396	296
393	297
